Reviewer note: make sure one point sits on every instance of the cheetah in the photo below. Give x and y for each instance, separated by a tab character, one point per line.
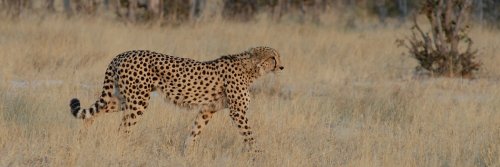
209	85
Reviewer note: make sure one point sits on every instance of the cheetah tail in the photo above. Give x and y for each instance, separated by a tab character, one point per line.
101	103
75	106
85	113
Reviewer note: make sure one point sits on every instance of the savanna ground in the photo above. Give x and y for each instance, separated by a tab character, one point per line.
345	98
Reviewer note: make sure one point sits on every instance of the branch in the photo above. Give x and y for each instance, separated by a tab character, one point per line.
437	30
426	38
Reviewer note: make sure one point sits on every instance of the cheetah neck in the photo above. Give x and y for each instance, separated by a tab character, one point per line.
238	63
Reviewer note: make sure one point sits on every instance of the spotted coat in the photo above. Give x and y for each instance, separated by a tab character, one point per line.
210	85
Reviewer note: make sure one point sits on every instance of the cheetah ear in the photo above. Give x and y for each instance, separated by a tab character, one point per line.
257	55
253	57
253	60
257	58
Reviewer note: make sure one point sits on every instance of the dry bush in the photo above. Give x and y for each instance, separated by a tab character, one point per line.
438	52
239	9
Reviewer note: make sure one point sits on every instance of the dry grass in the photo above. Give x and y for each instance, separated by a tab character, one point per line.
346	98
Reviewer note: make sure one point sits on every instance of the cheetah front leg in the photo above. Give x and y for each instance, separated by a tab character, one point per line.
201	122
241	121
238	106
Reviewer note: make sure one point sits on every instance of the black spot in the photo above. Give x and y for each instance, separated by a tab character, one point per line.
96	108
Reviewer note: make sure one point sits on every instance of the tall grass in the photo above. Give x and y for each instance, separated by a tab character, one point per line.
345	98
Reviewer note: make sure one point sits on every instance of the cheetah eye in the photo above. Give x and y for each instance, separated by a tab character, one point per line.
275	62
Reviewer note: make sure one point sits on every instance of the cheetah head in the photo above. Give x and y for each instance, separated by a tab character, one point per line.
265	59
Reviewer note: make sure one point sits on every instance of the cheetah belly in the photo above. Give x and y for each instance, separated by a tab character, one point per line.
196	91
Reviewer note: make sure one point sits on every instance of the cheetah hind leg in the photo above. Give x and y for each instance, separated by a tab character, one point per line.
201	122
84	130
132	116
112	106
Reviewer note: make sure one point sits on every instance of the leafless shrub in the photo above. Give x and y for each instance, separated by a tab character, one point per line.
438	51
15	7
239	9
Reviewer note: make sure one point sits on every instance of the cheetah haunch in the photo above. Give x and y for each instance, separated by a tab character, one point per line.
211	85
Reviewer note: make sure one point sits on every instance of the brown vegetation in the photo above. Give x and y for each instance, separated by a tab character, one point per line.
345	98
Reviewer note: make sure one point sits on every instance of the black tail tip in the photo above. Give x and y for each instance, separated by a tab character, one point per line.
75	106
